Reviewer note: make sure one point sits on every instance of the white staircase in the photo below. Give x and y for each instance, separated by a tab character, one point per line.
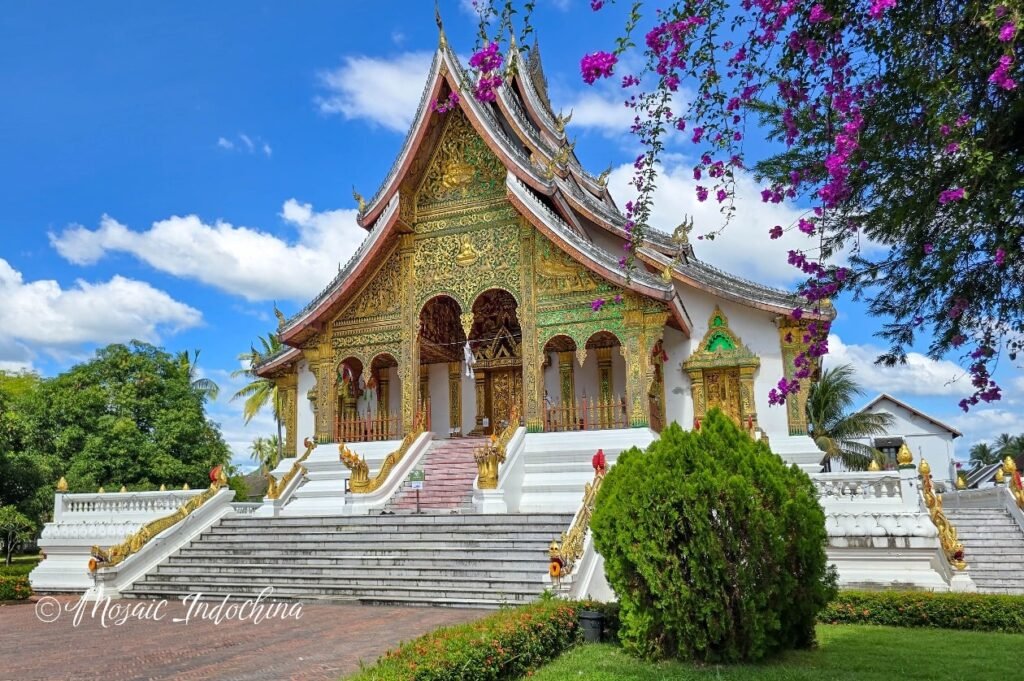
449	560
993	547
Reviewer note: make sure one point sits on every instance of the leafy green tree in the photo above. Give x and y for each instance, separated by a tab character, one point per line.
130	416
1009	445
833	425
714	547
189	363
266	451
23	476
15	530
982	454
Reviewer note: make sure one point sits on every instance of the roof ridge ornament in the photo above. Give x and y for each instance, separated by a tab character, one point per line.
561	121
602	179
441	38
360	201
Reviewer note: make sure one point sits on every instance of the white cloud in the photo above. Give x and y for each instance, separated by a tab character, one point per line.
40	315
239	260
382	91
228	414
985	423
744	247
919	376
602	111
245	143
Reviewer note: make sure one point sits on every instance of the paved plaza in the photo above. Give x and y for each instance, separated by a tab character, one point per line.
328	641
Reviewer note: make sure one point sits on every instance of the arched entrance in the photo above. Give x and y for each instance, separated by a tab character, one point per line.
584	387
349	385
442	343
496	344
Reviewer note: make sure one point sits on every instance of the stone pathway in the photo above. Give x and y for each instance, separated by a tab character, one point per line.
326	643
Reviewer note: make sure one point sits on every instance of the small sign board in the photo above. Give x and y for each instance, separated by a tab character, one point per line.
416	479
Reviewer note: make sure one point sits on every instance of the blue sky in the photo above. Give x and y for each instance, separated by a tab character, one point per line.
168	171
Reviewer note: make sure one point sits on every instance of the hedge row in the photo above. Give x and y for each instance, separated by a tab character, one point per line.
14	588
979	612
506	645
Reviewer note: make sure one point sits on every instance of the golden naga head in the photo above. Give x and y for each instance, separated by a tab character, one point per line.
360	201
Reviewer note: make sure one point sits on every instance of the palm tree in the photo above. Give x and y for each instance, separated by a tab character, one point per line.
1009	445
259	391
982	454
834	427
206	387
266	451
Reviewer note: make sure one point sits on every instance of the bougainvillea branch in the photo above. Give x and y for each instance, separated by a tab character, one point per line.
895	123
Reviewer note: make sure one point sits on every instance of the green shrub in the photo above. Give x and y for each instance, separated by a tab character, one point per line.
505	645
14	588
979	612
714	547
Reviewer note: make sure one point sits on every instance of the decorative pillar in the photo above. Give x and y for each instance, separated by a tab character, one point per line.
605	386
634	351
532	353
424	393
481	397
748	412
319	359
383	392
287	387
409	362
791	340
566	378
697	394
455	397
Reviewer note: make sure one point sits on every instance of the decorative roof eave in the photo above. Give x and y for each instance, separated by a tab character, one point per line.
296	329
278	361
591	256
447	69
611	220
702	276
533	101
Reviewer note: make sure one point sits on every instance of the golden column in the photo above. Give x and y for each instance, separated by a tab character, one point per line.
455	397
287	388
566	378
383	392
480	377
526	312
606	388
319	358
791	340
409	362
635	353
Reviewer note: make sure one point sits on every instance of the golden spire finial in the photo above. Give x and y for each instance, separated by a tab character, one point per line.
924	468
441	39
62	485
1000	476
1009	465
101	490
873	466
163	488
123	489
904	457
186	487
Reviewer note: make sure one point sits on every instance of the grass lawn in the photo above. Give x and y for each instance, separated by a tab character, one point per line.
22	565
845	653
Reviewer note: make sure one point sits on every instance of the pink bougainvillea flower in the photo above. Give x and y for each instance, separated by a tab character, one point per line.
950	195
928	248
879	7
1000	257
775	232
818	14
596	4
1007	32
597	304
1001	76
597	65
702	193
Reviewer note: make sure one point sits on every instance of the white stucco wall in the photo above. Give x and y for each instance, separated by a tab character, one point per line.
757	330
678	401
468	402
438	381
304	421
925	439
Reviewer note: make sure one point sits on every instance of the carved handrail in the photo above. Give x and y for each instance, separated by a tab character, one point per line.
489	457
275	488
360	482
568	549
951	546
1016	485
104	558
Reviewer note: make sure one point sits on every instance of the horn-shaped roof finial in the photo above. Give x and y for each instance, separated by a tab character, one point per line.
441	39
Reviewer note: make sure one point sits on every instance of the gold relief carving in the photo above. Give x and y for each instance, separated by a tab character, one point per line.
461	168
466	320
379	297
791	342
558	274
721	372
455	396
527	315
467	219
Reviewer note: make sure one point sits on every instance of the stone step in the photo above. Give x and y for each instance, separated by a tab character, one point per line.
454	545
369	582
996	542
522	534
526	573
391	524
424	594
452	555
489	520
284	559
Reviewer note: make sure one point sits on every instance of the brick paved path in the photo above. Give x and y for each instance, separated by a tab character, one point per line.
327	642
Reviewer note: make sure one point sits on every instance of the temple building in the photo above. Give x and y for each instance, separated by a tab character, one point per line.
453	398
476	297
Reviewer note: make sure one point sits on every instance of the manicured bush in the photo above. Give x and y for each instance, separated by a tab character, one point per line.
715	548
505	645
14	588
979	612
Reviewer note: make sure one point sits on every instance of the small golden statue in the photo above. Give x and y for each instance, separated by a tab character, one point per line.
562	121
468	254
681	235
